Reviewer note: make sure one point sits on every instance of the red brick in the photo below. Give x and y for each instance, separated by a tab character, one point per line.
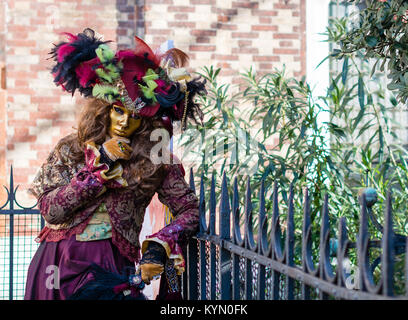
203	40
43	154
21	83
19	123
22	43
265	20
122	32
245	50
38	67
238	81
19	90
38	21
41	147
22	35
265	66
158	31
264	28
158	39
45	115
181	24
35	163
286	36
228	72
205	33
285	51
224	26
126	24
226	57
266	58
223	65
41	99
23	138
19	28
223	18
201	48
286	43
19	178
161	1
285	6
181	9
202	2
226	12
244	43
181	16
18	131
248	5
245	35
260	12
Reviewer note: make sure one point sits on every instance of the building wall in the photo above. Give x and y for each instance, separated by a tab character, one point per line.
2	97
233	35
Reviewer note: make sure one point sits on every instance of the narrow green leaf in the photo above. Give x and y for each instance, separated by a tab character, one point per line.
361	97
371	41
344	71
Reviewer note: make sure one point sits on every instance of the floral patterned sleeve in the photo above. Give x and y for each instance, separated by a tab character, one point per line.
59	195
176	194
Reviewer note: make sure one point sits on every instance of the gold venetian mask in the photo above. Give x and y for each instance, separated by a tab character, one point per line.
122	122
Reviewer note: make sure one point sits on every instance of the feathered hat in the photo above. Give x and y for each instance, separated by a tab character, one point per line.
146	83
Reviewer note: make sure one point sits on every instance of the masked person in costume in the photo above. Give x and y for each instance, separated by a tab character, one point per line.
97	182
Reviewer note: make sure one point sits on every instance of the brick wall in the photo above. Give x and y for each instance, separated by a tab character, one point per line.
2	97
232	34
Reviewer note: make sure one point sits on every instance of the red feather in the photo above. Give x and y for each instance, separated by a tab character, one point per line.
149	111
70	36
85	72
141	49
64	50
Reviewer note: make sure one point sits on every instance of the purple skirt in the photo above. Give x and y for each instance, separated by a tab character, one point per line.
58	269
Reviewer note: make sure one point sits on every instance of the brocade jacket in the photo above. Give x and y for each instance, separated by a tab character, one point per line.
68	194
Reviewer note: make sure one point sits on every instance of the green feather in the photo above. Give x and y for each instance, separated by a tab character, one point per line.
110	71
105	92
104	75
113	71
104	53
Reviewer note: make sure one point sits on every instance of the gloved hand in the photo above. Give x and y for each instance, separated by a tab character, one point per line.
153	260
117	148
149	271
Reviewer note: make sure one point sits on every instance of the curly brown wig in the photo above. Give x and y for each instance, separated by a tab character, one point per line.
93	125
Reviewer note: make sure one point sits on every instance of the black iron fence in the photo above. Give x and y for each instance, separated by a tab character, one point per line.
228	260
18	227
229	264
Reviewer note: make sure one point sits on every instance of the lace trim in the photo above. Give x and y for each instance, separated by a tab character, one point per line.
172	248
154	254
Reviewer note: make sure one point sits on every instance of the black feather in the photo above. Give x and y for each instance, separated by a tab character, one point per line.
195	87
101	288
173	96
64	71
